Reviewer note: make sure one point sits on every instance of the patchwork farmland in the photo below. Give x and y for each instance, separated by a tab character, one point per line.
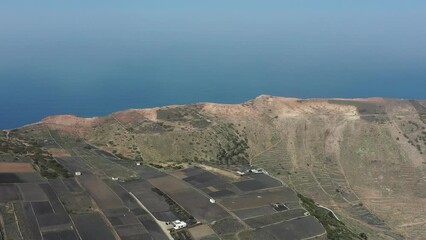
142	201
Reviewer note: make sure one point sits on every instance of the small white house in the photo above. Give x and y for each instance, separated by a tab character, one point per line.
138	163
258	171
114	178
178	224
255	171
78	173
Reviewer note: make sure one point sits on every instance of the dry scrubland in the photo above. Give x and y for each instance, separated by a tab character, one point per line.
363	158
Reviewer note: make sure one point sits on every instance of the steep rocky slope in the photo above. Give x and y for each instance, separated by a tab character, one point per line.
364	158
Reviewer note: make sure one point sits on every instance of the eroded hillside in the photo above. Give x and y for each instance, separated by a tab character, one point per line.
363	158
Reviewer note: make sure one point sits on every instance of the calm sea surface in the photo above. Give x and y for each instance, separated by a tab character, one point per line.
58	59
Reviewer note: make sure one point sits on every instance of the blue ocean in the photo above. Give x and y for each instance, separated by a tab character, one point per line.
93	58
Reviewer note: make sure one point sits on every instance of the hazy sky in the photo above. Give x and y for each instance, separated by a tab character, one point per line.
95	57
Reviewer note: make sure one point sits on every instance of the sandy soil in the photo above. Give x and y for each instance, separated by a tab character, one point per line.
219	171
58	152
16	167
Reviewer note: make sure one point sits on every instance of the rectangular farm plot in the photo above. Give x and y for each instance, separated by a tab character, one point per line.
190	199
53	199
92	227
260	198
103	164
16	167
250	185
166	216
267	180
220	193
265	220
121	217
60	235
42	208
199	205
227	226
101	193
50	213
9	178
126	224
28	177
53	219
21	177
58	186
143	191
255	182
301	228
130	232
125	197
72	185
203	179
8	192
152	227
201	231
32	192
31	221
215	186
169	184
254	212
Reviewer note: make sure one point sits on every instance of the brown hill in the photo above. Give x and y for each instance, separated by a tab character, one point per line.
364	158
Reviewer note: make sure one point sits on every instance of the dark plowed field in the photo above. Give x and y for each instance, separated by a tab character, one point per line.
32	192
42	208
20	178
254	212
100	192
152	227
92	227
8	192
60	235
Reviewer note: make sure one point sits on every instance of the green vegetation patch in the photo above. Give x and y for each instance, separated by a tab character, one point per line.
234	150
189	113
43	161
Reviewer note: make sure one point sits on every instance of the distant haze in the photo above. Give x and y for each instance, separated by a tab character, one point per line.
93	58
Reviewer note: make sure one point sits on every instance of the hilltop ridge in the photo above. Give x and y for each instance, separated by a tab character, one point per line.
68	119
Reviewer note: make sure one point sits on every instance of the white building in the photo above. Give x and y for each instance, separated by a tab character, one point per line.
78	173
178	224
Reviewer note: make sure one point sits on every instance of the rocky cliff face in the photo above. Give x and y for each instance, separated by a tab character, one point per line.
363	157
